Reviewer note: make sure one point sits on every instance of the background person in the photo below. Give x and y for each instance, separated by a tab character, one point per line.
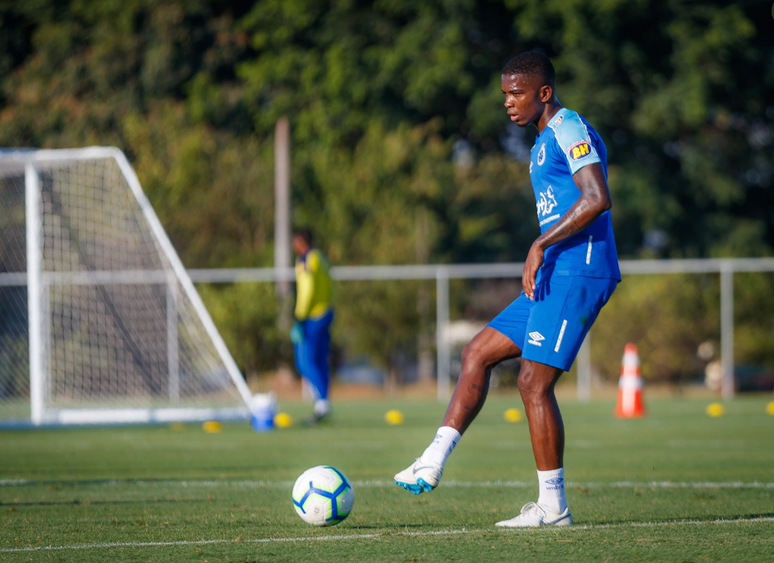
313	312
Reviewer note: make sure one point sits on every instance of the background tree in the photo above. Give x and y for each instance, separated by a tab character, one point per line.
401	149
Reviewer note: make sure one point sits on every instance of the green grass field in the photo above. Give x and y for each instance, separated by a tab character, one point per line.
676	485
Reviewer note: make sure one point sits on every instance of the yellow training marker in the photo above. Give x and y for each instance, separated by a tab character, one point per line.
512	415
394	417
212	427
715	409
770	408
283	420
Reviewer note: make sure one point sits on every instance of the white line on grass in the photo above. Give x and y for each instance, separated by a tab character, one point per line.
181	543
259	484
343	537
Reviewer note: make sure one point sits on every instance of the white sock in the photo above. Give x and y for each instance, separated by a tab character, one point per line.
442	445
321	407
552	495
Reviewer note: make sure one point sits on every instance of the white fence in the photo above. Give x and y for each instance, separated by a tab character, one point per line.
441	273
725	267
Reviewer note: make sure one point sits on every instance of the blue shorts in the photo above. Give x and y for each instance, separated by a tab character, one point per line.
551	329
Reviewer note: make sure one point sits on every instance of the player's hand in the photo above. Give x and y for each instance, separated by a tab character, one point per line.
531	266
296	333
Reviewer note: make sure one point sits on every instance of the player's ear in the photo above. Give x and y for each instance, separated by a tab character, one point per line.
546	93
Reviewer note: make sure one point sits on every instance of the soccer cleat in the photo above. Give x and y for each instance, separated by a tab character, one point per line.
533	516
420	476
317	419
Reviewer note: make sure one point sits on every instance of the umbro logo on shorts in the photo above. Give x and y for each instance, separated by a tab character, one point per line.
535	338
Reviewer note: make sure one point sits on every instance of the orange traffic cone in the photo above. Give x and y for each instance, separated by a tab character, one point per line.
630	385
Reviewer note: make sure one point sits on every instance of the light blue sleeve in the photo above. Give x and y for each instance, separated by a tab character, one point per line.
574	140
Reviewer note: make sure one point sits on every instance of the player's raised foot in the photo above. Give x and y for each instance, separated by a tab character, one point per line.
419	477
533	516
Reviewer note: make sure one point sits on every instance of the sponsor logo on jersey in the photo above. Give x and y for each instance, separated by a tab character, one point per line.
541	155
558	121
535	338
579	150
546	202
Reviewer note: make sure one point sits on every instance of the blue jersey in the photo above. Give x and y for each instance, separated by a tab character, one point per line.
567	144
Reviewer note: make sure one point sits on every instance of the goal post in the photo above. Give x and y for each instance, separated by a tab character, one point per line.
115	329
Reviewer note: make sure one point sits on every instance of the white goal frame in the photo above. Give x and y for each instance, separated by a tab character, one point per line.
37	281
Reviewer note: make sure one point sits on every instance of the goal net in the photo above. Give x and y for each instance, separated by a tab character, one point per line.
99	321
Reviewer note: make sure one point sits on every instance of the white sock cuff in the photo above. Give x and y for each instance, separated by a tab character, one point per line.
550	474
552	493
322	406
446	439
448	434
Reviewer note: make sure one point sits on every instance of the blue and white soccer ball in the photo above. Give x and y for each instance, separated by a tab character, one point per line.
323	496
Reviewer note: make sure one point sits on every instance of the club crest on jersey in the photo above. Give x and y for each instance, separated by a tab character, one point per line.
541	155
579	150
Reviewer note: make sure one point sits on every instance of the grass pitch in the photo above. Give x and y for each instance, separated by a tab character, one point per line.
676	485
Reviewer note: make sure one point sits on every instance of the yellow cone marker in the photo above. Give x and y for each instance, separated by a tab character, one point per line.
283	420
394	417
212	427
512	415
770	408
715	410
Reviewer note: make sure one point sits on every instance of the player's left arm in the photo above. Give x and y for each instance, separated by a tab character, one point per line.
593	201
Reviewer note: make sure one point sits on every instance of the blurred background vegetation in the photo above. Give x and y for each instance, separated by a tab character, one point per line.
402	153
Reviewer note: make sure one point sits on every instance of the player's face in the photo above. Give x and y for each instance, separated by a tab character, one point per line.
299	245
523	98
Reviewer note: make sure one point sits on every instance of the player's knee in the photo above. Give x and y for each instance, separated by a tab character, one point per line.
472	356
531	385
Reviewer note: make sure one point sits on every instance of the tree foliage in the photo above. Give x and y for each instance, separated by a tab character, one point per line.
401	149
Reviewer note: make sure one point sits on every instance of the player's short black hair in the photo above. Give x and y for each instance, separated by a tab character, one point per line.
304	234
533	64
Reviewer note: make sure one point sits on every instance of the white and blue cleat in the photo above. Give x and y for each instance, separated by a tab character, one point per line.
419	477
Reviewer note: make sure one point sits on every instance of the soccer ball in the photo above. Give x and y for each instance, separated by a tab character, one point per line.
322	496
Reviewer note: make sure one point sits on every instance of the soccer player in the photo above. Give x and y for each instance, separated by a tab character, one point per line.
570	272
311	332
